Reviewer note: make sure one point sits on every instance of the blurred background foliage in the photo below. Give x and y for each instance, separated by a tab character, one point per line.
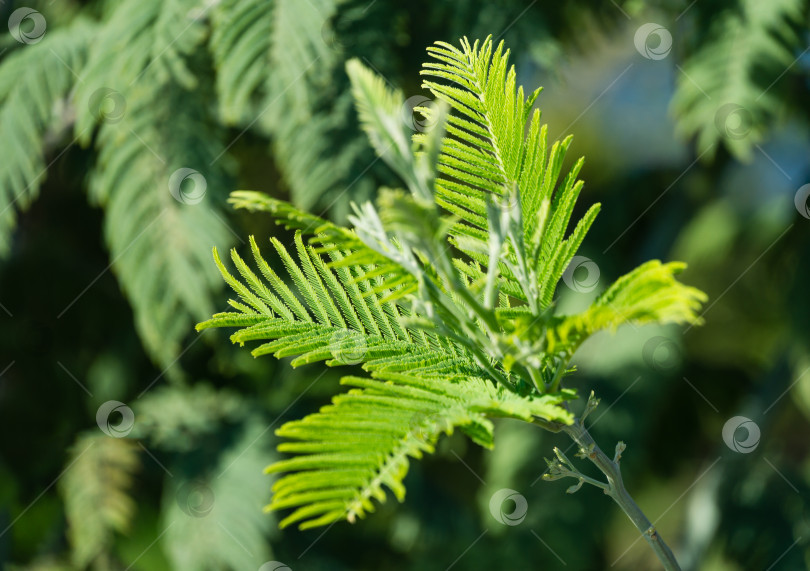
695	130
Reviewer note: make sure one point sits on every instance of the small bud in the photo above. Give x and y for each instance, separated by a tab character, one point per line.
562	458
620	447
591	405
586	452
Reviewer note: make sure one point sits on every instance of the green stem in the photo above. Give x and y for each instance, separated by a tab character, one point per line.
617	491
554	386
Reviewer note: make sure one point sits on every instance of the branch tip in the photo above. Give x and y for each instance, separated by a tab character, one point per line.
590	406
620	447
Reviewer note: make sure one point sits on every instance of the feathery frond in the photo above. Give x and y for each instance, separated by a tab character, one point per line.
496	148
309	111
157	228
211	513
727	92
450	336
648	294
349	450
488	154
278	74
96	492
34	87
180	419
240	45
337	312
213	519
138	80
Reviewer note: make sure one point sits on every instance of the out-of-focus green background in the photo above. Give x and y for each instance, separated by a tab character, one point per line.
693	117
